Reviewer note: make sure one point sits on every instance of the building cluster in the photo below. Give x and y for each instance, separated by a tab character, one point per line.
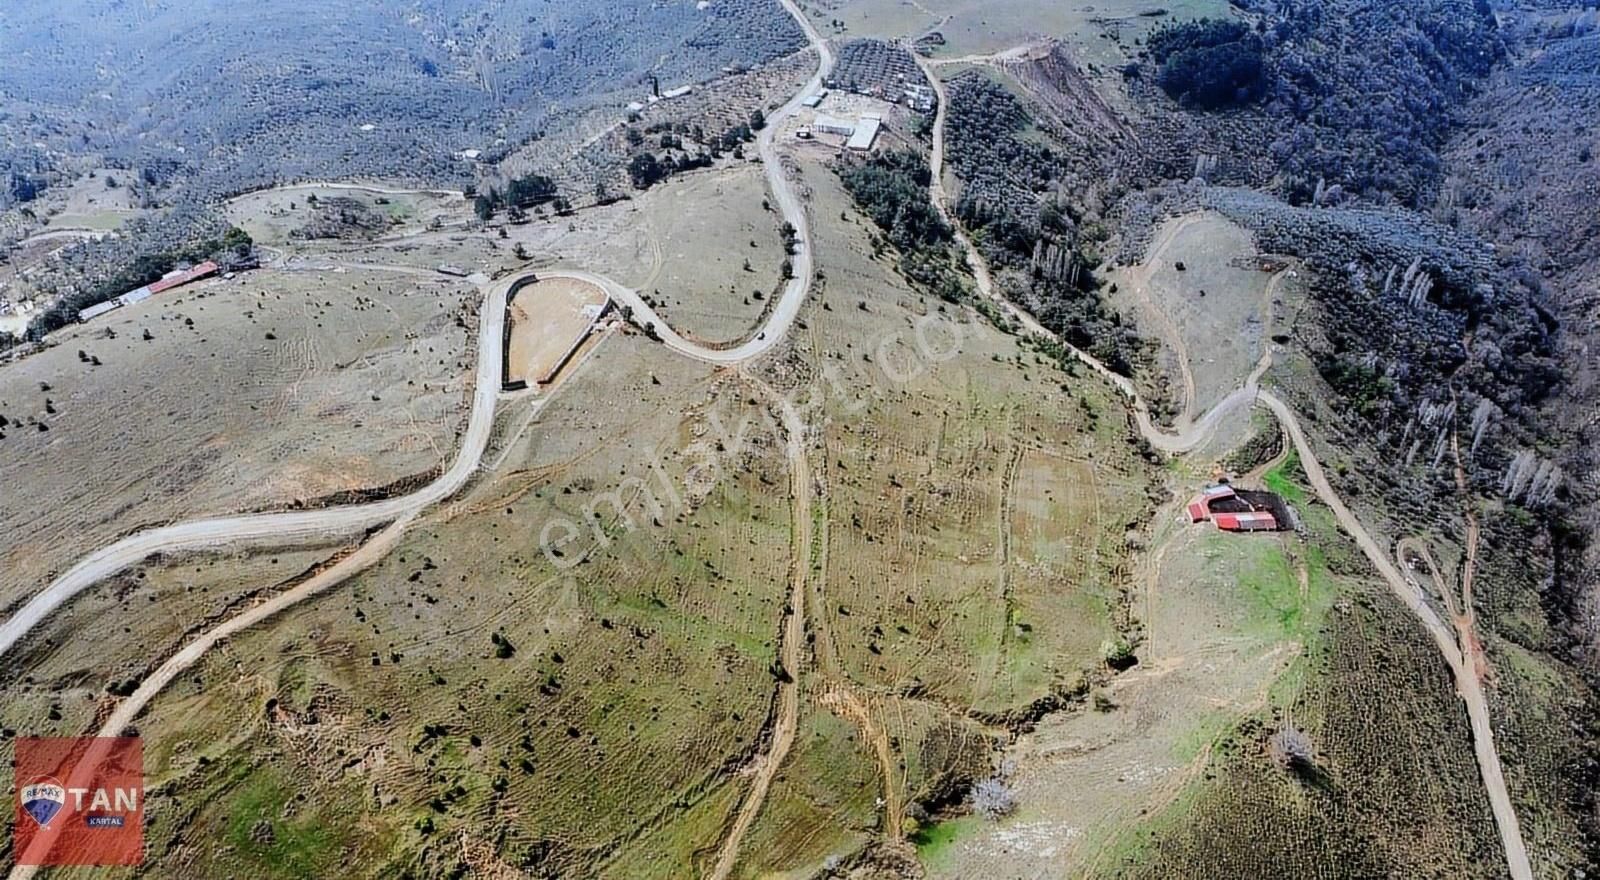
168	282
859	135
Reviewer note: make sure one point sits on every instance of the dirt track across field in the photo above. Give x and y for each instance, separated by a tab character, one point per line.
1190	436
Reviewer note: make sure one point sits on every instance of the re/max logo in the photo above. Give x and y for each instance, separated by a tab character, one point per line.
79	801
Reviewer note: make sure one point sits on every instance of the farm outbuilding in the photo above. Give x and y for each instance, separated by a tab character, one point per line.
167	282
834	125
1240	510
1259	521
866	133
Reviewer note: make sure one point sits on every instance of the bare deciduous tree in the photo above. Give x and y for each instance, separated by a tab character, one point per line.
993	799
1291	748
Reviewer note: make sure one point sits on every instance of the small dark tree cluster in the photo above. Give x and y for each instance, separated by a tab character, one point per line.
646	170
520	194
1210	63
892	189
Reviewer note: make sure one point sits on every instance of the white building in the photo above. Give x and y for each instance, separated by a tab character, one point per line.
833	125
866	133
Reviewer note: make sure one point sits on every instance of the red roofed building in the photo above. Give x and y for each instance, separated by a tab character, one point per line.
1255	521
1200	506
1233	511
178	279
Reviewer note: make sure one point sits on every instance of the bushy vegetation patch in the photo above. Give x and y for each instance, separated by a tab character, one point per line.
1028	223
243	96
1210	63
892	189
1361	95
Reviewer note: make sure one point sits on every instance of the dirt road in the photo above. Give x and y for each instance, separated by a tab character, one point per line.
794	626
778	323
1467	684
342	521
1191	436
364	557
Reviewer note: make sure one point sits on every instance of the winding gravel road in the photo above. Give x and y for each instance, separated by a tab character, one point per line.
305	526
397	514
296	526
1191	436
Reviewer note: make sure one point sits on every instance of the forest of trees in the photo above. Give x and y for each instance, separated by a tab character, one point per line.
1014	195
892	189
251	95
1359	95
1209	63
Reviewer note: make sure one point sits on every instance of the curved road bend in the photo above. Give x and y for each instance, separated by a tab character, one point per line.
297	526
1192	436
315	524
399	512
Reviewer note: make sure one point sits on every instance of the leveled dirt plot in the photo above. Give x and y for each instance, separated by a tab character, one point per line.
272	215
273	389
601	735
548	319
690	263
1216	306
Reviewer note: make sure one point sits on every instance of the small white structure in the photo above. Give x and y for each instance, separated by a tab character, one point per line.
96	311
136	296
833	125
